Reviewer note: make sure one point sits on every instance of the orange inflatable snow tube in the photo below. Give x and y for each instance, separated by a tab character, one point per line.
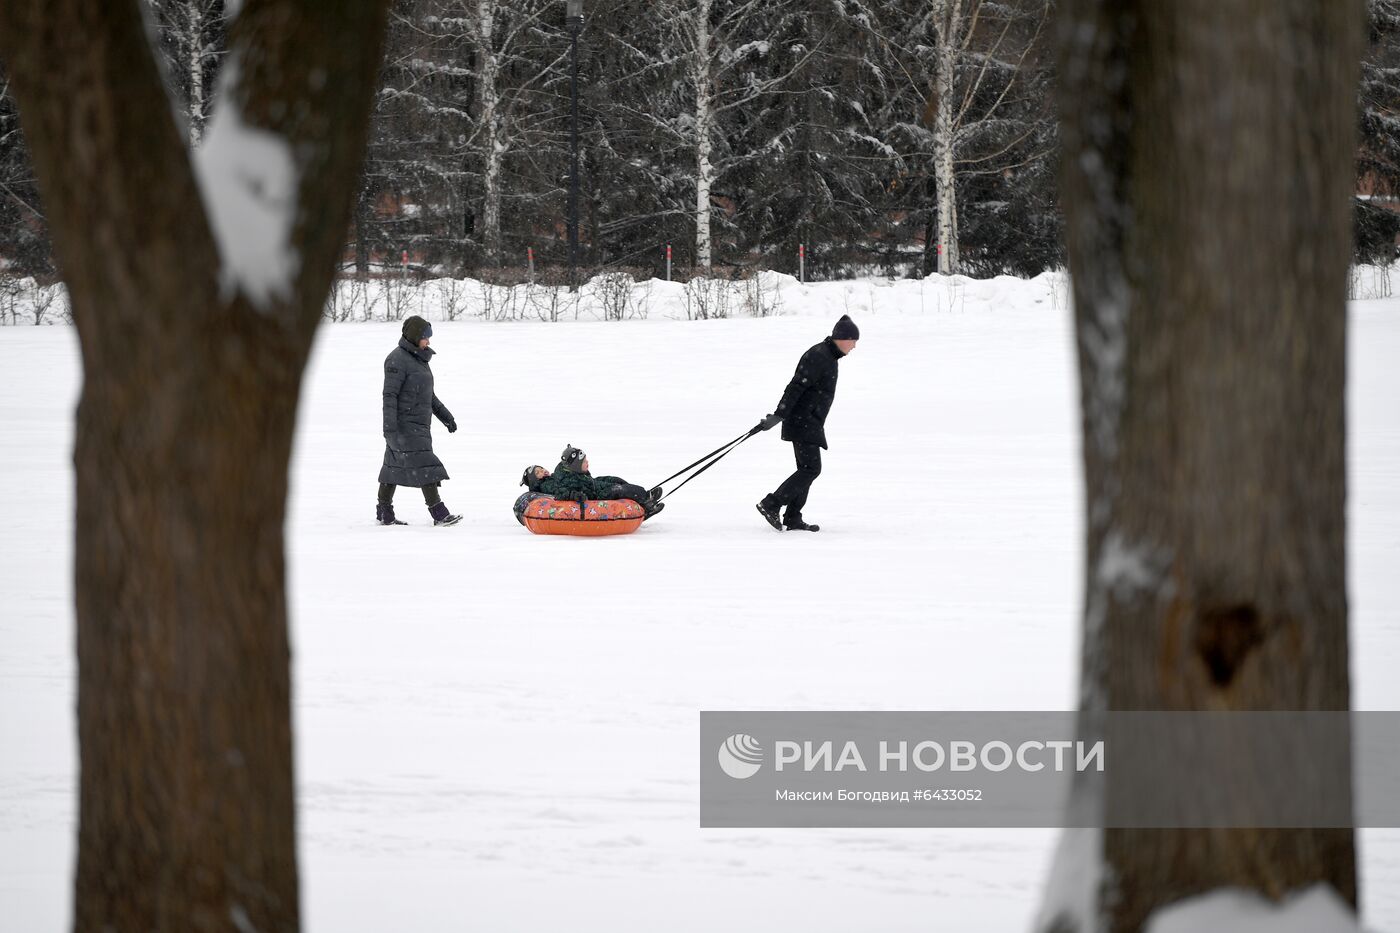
599	517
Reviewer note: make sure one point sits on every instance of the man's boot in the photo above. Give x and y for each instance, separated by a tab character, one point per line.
384	514
795	523
438	510
768	508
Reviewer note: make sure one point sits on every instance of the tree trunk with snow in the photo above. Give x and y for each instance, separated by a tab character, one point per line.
704	126
184	429
1207	187
493	144
948	16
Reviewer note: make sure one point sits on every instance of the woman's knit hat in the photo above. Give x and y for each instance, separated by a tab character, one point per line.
415	329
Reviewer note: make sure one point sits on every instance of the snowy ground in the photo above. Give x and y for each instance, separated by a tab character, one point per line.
498	731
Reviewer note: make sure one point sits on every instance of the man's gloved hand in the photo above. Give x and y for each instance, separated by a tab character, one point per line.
451	427
769	421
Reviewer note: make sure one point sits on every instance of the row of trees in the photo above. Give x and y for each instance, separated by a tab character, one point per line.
908	136
872	131
735	130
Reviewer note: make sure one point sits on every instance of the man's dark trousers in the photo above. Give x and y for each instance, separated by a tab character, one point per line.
793	492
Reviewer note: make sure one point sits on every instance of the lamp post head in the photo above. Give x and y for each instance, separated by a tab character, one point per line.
573	13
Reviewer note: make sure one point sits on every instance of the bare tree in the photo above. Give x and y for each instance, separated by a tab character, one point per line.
195	291
1207	181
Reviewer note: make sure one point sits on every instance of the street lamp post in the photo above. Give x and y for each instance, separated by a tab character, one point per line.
574	20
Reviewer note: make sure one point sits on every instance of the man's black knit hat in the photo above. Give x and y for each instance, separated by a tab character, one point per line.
845	329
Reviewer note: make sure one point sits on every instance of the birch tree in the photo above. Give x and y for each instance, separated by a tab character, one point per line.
190	37
723	47
464	92
196	286
202	23
971	65
702	80
952	31
493	139
1208	174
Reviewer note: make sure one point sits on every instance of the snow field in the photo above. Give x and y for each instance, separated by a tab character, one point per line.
498	731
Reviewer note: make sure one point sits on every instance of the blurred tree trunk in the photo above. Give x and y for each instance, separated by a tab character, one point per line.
183	437
1207	184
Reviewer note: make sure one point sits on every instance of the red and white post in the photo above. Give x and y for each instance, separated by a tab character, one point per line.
668	262
802	263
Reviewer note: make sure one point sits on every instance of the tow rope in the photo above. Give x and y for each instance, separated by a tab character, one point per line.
709	460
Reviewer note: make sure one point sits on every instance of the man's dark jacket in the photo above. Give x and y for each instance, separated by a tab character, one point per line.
409	407
809	395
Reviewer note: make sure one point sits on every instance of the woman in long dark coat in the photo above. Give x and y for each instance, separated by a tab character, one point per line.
409	407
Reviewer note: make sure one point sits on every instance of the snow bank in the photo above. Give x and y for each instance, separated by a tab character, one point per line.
617	297
252	210
23	300
1366	283
1316	910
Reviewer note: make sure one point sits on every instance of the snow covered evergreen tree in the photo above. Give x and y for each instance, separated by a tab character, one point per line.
1377	222
813	158
464	131
410	199
24	237
707	71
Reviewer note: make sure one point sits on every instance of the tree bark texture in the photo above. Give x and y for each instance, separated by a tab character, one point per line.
187	817
1207	188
